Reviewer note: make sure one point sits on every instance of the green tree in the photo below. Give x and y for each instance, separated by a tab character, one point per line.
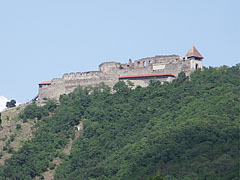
186	129
11	103
121	87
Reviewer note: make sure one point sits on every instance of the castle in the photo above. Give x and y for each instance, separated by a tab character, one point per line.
140	72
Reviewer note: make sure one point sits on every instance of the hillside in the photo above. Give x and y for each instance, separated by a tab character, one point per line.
187	129
13	132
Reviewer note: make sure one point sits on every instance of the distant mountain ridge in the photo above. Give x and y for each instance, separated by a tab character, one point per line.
3	101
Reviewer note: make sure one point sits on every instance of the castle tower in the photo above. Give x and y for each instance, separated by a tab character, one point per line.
195	58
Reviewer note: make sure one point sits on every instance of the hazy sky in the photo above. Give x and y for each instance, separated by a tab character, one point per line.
41	40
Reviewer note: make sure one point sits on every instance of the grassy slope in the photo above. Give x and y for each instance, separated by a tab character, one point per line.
11	139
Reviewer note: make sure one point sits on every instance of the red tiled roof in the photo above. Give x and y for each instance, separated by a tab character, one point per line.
193	52
45	82
147	75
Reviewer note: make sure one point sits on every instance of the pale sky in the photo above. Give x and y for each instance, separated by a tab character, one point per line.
41	40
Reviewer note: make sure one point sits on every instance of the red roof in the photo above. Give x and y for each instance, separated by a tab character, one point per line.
147	75
193	52
45	83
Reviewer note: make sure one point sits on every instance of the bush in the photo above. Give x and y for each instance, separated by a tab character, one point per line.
18	126
11	103
1	154
12	137
33	111
51	105
5	148
10	149
52	166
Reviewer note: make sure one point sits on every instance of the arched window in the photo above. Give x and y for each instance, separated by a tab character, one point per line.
144	63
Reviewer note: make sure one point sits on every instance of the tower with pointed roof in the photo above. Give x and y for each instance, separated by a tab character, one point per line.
140	72
195	58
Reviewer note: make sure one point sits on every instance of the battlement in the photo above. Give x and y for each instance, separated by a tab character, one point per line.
81	75
140	72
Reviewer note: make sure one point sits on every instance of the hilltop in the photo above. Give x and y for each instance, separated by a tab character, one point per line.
184	129
140	72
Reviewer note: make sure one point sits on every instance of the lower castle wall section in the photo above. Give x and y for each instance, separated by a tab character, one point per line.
67	85
109	80
51	92
144	82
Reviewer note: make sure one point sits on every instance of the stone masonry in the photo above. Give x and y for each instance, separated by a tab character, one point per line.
140	72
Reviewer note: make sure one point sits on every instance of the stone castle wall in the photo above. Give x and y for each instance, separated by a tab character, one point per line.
69	82
109	73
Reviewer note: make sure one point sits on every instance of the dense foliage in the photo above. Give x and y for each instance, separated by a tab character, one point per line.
11	104
187	129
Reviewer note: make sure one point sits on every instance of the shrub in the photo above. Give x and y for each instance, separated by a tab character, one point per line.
1	154
52	166
11	103
12	137
18	126
5	148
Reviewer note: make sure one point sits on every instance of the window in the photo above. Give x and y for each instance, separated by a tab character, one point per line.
144	63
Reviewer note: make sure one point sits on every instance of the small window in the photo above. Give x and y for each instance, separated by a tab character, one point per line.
196	66
144	63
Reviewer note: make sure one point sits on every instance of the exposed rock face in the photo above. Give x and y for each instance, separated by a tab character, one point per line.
140	72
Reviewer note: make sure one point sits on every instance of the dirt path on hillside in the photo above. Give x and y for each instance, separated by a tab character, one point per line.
49	174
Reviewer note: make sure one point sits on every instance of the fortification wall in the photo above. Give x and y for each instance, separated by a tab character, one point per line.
175	66
70	81
109	73
144	82
51	92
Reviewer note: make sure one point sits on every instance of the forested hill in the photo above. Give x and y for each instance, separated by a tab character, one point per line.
184	130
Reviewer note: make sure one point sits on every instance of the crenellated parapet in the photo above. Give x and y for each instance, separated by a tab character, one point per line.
82	75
